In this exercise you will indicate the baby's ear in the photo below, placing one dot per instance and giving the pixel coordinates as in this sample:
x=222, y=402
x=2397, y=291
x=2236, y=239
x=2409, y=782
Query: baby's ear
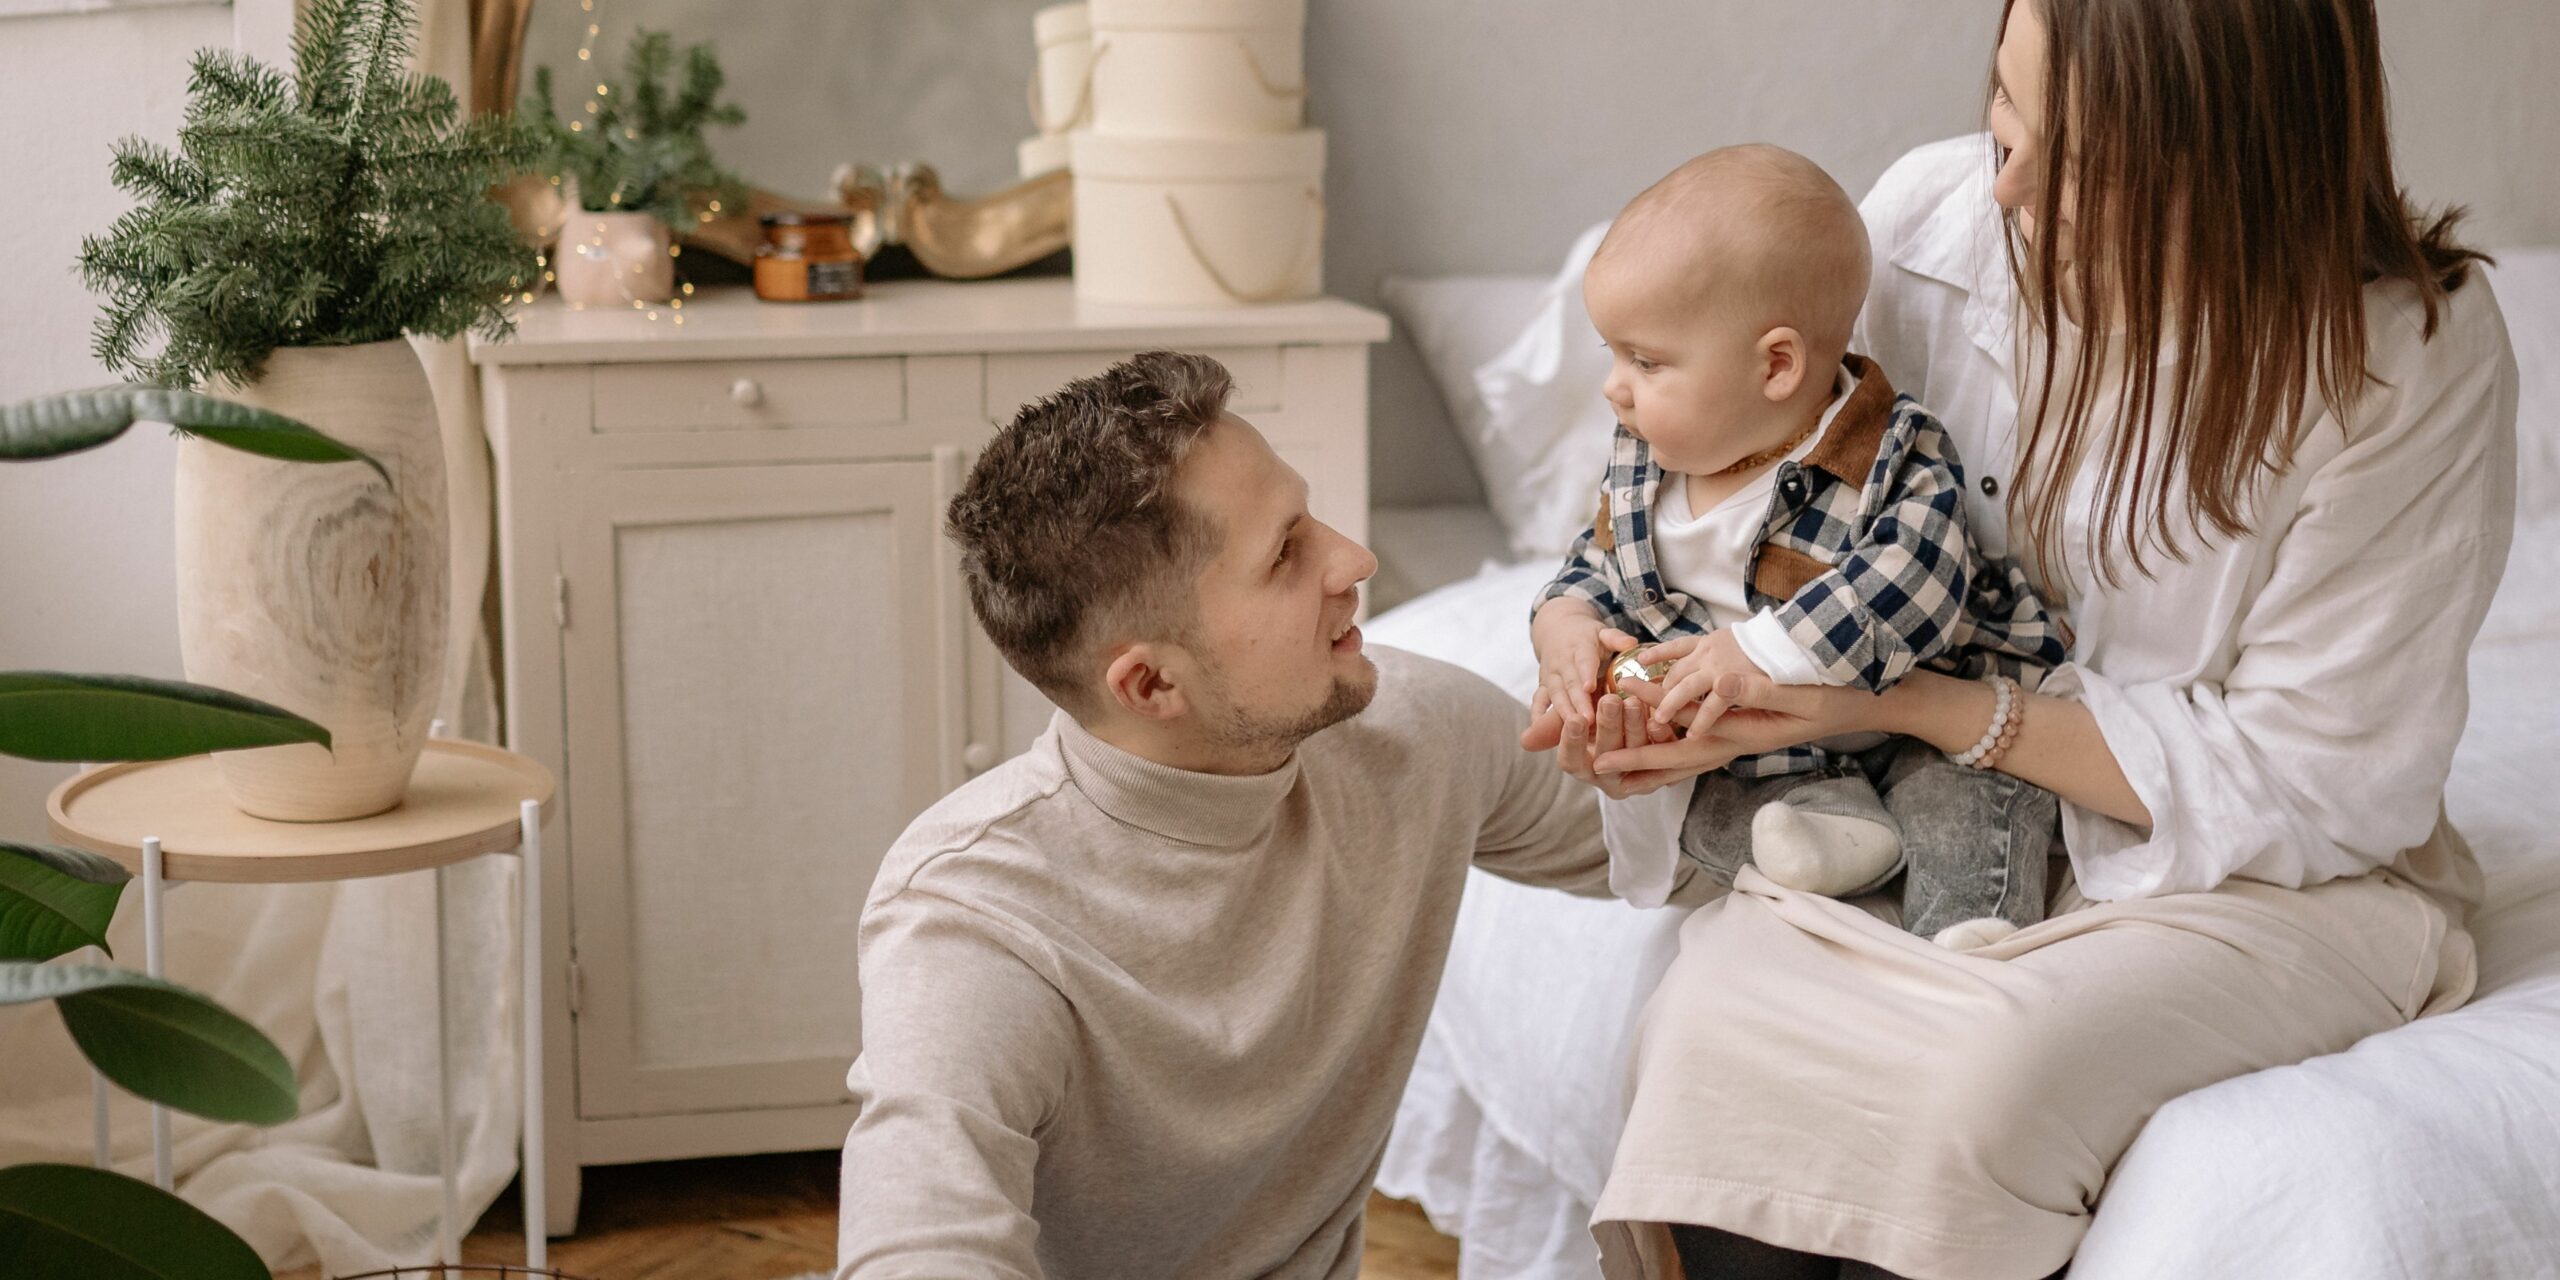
x=1782, y=363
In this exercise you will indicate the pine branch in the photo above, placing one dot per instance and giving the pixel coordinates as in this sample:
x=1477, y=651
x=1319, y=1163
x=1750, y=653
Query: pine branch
x=221, y=79
x=154, y=172
x=321, y=42
x=347, y=206
x=645, y=66
x=640, y=150
x=387, y=47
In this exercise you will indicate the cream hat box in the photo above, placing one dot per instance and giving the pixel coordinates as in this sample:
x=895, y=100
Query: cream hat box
x=1062, y=79
x=1198, y=68
x=1044, y=154
x=1198, y=222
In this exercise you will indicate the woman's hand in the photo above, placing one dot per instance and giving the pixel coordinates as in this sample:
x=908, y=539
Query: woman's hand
x=1755, y=714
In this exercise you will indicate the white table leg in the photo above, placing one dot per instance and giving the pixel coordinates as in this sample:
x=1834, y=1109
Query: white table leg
x=101, y=1133
x=537, y=1242
x=448, y=1241
x=162, y=1175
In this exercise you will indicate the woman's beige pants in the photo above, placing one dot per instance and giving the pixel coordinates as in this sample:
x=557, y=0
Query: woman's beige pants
x=1810, y=1076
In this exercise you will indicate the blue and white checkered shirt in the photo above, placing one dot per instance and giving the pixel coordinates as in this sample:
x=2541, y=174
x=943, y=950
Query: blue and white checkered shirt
x=1864, y=559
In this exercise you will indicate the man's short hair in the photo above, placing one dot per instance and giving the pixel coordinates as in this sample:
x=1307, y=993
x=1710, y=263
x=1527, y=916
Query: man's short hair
x=1069, y=530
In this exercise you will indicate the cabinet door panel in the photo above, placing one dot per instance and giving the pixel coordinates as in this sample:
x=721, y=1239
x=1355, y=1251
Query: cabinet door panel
x=752, y=723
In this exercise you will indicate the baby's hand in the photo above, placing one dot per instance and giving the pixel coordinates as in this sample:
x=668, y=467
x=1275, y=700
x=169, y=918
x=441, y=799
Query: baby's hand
x=1572, y=647
x=1696, y=663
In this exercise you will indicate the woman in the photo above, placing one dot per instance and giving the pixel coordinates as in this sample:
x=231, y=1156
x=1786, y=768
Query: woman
x=2251, y=418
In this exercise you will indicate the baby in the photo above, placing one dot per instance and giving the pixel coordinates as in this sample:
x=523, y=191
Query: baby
x=1772, y=506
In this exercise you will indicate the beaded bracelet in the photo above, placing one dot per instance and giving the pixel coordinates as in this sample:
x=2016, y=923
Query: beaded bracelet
x=2008, y=732
x=2003, y=729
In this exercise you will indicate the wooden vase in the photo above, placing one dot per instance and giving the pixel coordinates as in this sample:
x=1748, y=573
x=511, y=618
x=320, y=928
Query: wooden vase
x=315, y=587
x=614, y=260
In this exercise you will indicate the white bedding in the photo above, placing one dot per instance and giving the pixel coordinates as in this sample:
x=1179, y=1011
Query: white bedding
x=2431, y=1150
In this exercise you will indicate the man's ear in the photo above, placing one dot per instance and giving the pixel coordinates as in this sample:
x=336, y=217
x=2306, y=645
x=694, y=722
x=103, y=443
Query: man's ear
x=1782, y=363
x=1137, y=681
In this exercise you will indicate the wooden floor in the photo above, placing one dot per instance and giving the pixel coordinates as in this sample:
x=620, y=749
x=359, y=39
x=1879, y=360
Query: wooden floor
x=766, y=1217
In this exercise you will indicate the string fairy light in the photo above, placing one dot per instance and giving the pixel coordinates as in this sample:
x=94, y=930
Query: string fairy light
x=595, y=107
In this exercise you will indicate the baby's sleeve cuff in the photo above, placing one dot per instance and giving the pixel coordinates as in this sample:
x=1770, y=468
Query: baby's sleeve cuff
x=1765, y=641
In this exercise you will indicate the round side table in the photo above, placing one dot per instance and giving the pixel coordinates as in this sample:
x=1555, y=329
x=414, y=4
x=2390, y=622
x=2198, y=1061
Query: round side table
x=168, y=820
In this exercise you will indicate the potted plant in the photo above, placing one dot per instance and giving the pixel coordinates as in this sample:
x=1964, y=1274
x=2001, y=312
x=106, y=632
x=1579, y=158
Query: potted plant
x=155, y=1038
x=301, y=228
x=641, y=170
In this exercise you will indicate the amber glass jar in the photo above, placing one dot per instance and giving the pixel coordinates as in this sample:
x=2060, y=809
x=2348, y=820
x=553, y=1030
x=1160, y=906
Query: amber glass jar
x=808, y=257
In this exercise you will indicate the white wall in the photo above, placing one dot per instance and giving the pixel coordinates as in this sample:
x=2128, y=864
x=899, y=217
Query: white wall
x=85, y=542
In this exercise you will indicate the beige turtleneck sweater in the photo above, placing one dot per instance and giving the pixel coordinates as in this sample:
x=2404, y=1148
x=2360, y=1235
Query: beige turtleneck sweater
x=1124, y=1021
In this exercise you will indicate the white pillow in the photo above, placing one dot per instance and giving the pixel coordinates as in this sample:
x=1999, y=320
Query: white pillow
x=1544, y=443
x=1519, y=367
x=1457, y=323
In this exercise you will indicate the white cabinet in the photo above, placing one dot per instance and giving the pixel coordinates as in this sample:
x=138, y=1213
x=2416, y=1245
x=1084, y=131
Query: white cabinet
x=733, y=630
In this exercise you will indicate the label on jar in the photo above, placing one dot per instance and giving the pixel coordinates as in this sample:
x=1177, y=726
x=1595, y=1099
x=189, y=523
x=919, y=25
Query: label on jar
x=835, y=279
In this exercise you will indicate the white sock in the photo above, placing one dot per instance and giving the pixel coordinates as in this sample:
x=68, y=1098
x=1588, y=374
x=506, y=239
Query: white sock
x=1820, y=852
x=1965, y=935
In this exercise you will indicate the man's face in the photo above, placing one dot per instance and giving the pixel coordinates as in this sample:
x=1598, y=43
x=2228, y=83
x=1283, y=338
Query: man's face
x=1275, y=656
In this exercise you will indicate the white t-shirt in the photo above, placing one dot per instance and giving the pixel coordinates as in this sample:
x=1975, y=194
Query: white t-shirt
x=1706, y=555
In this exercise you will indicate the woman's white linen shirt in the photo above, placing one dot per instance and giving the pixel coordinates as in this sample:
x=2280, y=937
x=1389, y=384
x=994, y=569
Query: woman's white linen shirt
x=2284, y=702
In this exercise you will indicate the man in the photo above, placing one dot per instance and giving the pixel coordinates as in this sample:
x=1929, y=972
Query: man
x=1141, y=1001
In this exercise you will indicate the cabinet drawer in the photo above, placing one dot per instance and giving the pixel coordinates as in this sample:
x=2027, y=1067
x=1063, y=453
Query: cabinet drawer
x=1016, y=380
x=714, y=412
x=745, y=395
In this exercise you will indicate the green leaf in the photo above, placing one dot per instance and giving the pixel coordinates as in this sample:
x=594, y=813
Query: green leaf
x=162, y=1041
x=55, y=900
x=77, y=420
x=71, y=1222
x=53, y=715
x=62, y=424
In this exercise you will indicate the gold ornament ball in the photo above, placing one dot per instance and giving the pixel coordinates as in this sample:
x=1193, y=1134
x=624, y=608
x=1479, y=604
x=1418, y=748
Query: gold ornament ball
x=1624, y=667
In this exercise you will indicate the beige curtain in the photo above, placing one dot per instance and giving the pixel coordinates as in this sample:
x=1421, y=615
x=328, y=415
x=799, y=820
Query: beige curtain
x=340, y=976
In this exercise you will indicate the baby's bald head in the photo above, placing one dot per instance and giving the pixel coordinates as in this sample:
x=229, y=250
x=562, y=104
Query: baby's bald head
x=1756, y=233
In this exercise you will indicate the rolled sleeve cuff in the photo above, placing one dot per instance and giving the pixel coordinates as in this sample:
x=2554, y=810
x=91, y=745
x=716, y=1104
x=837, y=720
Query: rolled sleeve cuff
x=1765, y=641
x=2114, y=860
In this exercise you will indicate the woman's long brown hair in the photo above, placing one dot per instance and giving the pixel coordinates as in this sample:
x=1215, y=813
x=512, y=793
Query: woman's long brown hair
x=2228, y=164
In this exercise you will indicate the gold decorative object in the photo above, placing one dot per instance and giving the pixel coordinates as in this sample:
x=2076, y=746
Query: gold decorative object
x=497, y=53
x=1625, y=667
x=965, y=239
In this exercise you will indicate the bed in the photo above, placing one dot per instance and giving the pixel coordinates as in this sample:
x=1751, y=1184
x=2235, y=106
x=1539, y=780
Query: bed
x=2430, y=1150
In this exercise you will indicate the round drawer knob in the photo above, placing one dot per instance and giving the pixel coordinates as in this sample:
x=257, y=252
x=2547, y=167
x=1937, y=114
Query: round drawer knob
x=746, y=392
x=979, y=757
